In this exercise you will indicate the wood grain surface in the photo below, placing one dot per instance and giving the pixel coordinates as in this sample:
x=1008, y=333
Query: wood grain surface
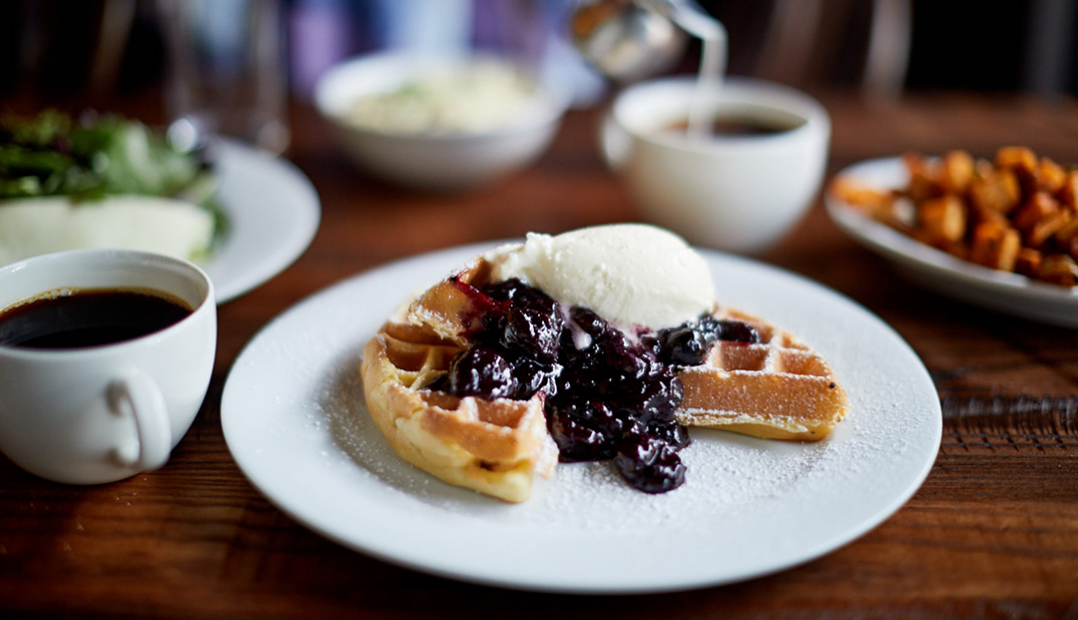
x=993, y=533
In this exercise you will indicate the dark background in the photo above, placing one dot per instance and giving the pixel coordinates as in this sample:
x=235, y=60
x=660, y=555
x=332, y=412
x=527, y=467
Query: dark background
x=46, y=46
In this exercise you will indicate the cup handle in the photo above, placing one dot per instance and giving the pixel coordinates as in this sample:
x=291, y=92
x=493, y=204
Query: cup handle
x=614, y=142
x=137, y=395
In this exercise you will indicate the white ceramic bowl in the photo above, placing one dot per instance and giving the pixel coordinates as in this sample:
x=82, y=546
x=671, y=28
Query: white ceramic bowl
x=449, y=161
x=942, y=272
x=740, y=193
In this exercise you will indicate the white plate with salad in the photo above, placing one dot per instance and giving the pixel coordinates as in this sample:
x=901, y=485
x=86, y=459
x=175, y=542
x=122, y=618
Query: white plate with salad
x=272, y=213
x=105, y=181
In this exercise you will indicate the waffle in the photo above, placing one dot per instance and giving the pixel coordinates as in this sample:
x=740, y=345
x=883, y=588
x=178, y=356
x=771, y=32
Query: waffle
x=494, y=447
x=778, y=389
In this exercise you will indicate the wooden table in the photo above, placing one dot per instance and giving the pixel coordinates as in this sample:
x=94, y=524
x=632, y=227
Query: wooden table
x=992, y=533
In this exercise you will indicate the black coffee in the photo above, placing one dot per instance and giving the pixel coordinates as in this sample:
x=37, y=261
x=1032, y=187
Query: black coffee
x=89, y=319
x=739, y=126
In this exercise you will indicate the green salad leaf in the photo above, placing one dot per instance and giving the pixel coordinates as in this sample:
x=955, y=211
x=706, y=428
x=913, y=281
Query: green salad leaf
x=52, y=154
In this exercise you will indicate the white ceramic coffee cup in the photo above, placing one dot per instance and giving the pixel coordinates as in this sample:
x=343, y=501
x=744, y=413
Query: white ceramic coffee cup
x=98, y=414
x=735, y=193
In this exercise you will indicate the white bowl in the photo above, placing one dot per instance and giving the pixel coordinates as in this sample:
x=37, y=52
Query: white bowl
x=439, y=161
x=944, y=273
x=740, y=193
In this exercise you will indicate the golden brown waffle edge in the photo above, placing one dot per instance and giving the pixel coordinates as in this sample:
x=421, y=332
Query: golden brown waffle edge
x=494, y=447
x=778, y=389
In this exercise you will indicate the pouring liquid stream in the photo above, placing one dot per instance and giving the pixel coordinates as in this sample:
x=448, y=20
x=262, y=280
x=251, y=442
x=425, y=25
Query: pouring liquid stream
x=712, y=71
x=695, y=21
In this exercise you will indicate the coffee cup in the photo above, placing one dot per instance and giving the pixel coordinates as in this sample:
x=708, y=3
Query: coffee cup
x=740, y=193
x=96, y=414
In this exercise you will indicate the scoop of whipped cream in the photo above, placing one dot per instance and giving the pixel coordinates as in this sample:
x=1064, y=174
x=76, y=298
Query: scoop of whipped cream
x=629, y=274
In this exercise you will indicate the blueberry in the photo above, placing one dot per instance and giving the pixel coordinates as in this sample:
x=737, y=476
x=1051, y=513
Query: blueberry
x=504, y=290
x=534, y=327
x=656, y=398
x=480, y=372
x=669, y=432
x=688, y=343
x=683, y=346
x=665, y=395
x=602, y=418
x=651, y=344
x=650, y=465
x=532, y=376
x=709, y=326
x=736, y=331
x=627, y=358
x=588, y=321
x=576, y=441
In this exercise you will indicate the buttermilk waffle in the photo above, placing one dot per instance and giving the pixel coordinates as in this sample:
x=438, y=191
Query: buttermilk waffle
x=777, y=389
x=491, y=446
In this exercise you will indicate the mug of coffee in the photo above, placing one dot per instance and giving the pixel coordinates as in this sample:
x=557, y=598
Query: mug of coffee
x=105, y=358
x=740, y=184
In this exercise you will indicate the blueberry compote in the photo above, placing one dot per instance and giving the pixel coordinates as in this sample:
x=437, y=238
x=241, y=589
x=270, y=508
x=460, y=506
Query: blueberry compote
x=608, y=395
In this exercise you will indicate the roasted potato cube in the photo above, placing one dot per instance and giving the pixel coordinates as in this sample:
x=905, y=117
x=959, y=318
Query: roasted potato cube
x=878, y=204
x=1068, y=233
x=995, y=246
x=1047, y=227
x=957, y=172
x=1019, y=159
x=1028, y=262
x=1068, y=194
x=1039, y=206
x=999, y=191
x=978, y=214
x=942, y=219
x=1050, y=176
x=924, y=177
x=1059, y=269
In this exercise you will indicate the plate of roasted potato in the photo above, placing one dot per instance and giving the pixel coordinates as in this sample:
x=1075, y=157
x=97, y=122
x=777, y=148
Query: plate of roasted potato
x=999, y=233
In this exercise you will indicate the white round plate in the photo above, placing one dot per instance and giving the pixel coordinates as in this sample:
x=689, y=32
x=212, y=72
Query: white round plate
x=937, y=270
x=294, y=419
x=273, y=214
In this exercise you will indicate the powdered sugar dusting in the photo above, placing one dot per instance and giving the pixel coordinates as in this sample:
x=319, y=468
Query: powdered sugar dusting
x=726, y=473
x=294, y=417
